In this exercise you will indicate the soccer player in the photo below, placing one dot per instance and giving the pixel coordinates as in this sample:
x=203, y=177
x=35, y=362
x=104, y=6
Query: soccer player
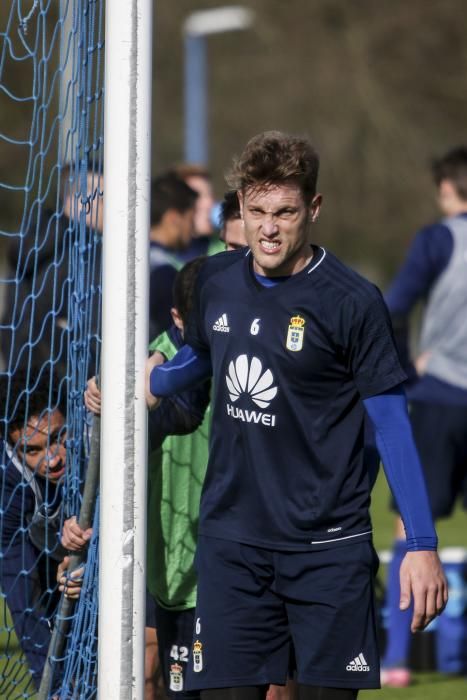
x=33, y=460
x=299, y=347
x=434, y=270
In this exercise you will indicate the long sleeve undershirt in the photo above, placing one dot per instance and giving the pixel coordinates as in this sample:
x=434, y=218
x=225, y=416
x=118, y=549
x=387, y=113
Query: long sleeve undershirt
x=396, y=446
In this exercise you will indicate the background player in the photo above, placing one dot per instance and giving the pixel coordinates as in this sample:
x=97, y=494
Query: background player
x=172, y=226
x=434, y=271
x=178, y=453
x=205, y=240
x=176, y=469
x=297, y=353
x=232, y=228
x=36, y=313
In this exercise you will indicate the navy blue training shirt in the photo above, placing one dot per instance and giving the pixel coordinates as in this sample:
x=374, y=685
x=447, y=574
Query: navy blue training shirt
x=291, y=364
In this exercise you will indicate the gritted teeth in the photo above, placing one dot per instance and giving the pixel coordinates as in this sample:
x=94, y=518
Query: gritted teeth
x=270, y=245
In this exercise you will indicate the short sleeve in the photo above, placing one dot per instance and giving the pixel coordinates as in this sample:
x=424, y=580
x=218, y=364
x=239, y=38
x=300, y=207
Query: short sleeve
x=195, y=332
x=373, y=359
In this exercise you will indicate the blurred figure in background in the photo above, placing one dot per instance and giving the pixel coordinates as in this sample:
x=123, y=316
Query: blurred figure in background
x=435, y=271
x=232, y=228
x=205, y=240
x=36, y=314
x=172, y=226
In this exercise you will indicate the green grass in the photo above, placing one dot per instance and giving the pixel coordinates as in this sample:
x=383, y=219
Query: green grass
x=451, y=532
x=426, y=686
x=15, y=681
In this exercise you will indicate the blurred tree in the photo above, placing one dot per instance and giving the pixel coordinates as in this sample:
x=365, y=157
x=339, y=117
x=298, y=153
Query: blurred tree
x=379, y=86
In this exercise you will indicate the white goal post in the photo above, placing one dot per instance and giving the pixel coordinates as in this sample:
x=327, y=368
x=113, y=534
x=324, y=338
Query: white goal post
x=127, y=163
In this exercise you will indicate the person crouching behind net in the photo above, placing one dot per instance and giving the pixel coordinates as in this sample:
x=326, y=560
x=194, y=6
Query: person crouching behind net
x=33, y=463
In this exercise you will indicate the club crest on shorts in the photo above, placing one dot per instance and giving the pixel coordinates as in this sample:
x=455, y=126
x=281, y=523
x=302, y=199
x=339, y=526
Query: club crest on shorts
x=197, y=656
x=176, y=678
x=295, y=334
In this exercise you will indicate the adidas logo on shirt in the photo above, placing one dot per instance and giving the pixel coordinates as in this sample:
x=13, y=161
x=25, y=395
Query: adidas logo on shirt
x=358, y=664
x=222, y=324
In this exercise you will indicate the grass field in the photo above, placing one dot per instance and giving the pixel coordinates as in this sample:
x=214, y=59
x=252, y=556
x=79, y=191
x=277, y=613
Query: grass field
x=15, y=681
x=451, y=532
x=426, y=686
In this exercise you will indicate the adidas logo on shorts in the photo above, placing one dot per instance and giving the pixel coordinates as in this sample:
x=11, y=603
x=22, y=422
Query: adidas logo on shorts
x=222, y=324
x=358, y=664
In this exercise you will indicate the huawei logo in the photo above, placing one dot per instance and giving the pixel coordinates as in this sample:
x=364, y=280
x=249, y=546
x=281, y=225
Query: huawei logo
x=247, y=377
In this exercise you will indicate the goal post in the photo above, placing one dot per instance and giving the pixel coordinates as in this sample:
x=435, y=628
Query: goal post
x=127, y=164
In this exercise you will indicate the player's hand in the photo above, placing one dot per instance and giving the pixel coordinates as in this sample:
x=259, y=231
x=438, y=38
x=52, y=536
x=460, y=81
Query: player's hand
x=73, y=537
x=69, y=582
x=421, y=362
x=92, y=397
x=422, y=577
x=153, y=361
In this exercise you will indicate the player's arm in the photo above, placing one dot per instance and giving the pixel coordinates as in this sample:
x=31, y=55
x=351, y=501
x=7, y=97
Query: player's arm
x=427, y=257
x=179, y=414
x=421, y=572
x=185, y=370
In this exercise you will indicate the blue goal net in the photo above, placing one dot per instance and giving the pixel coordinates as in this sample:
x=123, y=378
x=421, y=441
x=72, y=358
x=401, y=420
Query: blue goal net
x=51, y=190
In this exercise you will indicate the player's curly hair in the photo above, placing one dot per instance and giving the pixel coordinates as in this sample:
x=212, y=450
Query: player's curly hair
x=27, y=394
x=274, y=158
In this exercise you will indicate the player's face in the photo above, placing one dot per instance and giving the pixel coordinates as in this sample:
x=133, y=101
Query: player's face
x=42, y=445
x=277, y=227
x=448, y=199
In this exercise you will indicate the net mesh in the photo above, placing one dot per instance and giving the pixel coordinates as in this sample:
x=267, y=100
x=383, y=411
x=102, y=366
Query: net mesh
x=51, y=189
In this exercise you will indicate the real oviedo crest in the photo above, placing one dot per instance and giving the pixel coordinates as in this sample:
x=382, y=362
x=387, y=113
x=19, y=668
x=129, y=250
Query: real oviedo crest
x=176, y=678
x=295, y=334
x=197, y=656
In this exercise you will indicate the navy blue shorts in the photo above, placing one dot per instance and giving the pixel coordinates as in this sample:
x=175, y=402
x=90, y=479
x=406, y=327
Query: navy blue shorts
x=174, y=638
x=253, y=603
